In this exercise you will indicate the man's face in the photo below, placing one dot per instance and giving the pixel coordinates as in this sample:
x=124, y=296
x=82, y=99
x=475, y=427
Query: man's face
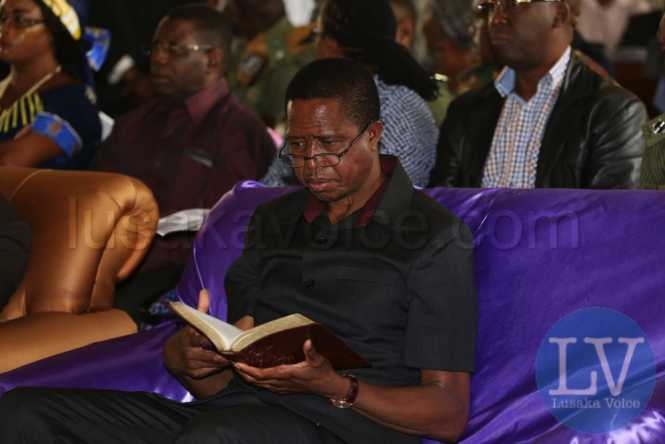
x=519, y=32
x=321, y=125
x=175, y=68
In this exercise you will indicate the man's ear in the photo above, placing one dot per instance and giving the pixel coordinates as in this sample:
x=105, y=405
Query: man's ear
x=375, y=131
x=564, y=15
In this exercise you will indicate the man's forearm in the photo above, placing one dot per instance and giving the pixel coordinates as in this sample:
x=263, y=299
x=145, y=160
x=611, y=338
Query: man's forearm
x=430, y=410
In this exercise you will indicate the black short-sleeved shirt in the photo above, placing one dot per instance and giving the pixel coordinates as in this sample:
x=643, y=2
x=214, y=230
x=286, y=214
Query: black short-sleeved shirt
x=398, y=288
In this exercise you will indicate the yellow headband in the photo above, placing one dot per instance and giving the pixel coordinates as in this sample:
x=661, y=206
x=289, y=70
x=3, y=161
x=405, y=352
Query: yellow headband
x=67, y=15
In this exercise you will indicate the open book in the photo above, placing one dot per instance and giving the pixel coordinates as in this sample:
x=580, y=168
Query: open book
x=274, y=343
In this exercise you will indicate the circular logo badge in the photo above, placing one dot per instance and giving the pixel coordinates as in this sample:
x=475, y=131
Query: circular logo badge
x=596, y=370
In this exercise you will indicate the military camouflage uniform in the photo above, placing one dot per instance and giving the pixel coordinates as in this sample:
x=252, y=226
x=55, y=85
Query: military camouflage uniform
x=653, y=162
x=266, y=65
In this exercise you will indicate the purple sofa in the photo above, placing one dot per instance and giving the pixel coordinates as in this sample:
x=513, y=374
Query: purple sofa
x=540, y=255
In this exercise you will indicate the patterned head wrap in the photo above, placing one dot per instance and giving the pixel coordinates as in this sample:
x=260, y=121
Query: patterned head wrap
x=73, y=14
x=70, y=13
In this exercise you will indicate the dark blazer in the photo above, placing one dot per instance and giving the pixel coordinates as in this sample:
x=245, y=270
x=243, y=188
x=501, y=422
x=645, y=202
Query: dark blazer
x=593, y=137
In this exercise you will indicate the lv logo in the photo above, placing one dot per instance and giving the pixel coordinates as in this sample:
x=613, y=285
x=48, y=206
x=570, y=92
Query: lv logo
x=598, y=344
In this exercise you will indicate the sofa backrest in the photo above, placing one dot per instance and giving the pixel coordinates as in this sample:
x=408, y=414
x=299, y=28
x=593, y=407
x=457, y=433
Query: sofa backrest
x=540, y=255
x=89, y=230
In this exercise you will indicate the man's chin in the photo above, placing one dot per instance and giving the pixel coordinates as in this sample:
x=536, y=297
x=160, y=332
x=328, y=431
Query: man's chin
x=163, y=90
x=323, y=196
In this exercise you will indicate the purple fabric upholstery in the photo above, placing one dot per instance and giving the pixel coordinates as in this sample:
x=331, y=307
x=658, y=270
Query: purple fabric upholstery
x=606, y=249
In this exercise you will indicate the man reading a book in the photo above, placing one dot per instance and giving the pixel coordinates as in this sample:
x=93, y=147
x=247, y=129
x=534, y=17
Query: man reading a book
x=358, y=250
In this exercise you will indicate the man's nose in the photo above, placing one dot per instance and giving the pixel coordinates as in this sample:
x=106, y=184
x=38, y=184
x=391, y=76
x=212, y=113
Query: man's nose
x=159, y=55
x=499, y=14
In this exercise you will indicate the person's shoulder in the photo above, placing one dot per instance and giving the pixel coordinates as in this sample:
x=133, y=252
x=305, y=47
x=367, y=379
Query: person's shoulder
x=434, y=210
x=602, y=89
x=654, y=131
x=477, y=97
x=397, y=94
x=68, y=90
x=285, y=206
x=241, y=111
x=403, y=106
x=136, y=115
x=443, y=224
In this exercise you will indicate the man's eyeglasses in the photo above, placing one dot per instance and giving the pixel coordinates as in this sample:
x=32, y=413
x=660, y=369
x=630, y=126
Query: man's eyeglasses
x=489, y=6
x=294, y=151
x=19, y=21
x=177, y=50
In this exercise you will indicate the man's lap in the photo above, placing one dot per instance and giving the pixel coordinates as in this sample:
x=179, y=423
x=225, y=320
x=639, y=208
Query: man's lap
x=40, y=415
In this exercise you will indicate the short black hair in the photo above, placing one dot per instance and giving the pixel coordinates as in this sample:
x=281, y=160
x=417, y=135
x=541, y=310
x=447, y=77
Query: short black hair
x=210, y=23
x=339, y=78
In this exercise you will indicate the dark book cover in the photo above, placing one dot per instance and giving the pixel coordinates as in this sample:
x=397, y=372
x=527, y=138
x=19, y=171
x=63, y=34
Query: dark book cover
x=286, y=348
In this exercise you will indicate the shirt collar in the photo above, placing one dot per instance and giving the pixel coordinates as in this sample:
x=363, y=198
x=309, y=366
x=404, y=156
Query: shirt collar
x=199, y=105
x=375, y=206
x=505, y=83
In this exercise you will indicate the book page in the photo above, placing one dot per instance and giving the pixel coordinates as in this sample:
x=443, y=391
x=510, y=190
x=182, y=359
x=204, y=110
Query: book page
x=250, y=336
x=221, y=334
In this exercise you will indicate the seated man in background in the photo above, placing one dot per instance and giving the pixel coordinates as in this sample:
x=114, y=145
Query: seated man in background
x=190, y=145
x=548, y=120
x=14, y=250
x=123, y=82
x=357, y=225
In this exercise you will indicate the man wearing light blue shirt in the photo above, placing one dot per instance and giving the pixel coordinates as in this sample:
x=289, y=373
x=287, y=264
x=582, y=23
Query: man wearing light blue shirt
x=548, y=121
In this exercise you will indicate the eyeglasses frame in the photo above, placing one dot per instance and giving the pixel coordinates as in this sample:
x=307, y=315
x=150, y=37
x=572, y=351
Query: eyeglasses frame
x=283, y=152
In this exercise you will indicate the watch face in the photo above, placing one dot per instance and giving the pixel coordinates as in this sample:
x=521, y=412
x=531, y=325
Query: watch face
x=341, y=404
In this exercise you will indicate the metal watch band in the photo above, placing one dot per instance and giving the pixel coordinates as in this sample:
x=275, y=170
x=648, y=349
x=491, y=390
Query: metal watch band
x=351, y=396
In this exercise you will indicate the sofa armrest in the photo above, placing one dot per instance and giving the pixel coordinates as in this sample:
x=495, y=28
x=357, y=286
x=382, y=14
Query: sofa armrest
x=90, y=230
x=41, y=335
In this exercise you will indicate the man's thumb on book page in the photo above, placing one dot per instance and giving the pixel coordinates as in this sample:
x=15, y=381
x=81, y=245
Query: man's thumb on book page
x=312, y=357
x=204, y=301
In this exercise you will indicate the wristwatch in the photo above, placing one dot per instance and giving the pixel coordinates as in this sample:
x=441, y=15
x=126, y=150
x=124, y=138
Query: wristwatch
x=350, y=399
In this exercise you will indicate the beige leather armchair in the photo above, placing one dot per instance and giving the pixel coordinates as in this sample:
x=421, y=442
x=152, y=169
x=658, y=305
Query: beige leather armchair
x=89, y=230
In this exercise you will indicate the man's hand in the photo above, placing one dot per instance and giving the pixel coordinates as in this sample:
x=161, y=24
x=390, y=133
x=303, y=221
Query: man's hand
x=188, y=353
x=314, y=375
